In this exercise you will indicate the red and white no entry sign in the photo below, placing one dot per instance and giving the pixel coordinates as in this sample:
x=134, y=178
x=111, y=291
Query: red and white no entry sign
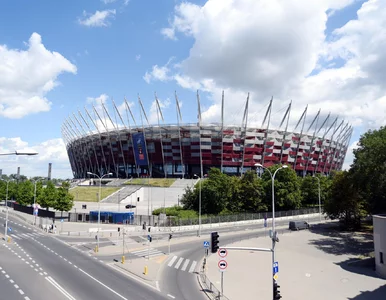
x=222, y=252
x=222, y=265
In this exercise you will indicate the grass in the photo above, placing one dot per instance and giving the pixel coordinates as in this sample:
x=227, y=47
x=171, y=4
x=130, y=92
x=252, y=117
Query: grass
x=159, y=182
x=89, y=194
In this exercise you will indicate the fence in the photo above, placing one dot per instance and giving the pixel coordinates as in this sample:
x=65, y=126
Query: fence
x=171, y=221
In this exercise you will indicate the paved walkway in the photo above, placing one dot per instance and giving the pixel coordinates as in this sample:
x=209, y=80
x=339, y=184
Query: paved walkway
x=311, y=265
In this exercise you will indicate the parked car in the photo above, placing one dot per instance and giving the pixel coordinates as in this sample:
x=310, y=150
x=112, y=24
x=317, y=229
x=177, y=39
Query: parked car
x=130, y=206
x=298, y=225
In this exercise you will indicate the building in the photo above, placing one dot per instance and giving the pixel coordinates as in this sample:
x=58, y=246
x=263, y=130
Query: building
x=187, y=149
x=379, y=222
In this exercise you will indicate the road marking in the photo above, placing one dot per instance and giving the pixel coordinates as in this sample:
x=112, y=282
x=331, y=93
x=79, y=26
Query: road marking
x=102, y=284
x=171, y=262
x=21, y=292
x=184, y=266
x=59, y=288
x=6, y=275
x=193, y=266
x=11, y=281
x=26, y=298
x=16, y=286
x=171, y=296
x=135, y=278
x=179, y=263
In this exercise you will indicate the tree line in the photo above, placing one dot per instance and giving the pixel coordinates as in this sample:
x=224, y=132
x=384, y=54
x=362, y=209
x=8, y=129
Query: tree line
x=48, y=195
x=345, y=195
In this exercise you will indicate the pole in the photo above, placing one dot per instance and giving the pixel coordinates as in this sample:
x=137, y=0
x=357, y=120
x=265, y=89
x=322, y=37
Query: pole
x=169, y=246
x=320, y=207
x=99, y=211
x=6, y=213
x=148, y=249
x=34, y=203
x=199, y=211
x=119, y=202
x=222, y=283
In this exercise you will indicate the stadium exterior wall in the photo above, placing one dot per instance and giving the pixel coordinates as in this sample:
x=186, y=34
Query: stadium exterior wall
x=235, y=149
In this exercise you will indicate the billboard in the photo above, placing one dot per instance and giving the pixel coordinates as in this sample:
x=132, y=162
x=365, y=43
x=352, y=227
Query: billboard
x=139, y=146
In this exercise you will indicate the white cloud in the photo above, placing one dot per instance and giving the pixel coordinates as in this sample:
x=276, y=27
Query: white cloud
x=157, y=73
x=242, y=46
x=51, y=151
x=97, y=102
x=138, y=57
x=108, y=1
x=98, y=19
x=26, y=77
x=154, y=115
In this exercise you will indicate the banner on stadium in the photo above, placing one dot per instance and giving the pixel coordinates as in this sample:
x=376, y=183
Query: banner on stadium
x=139, y=146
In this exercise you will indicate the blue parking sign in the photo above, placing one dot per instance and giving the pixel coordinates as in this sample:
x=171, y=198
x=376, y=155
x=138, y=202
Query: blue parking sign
x=275, y=267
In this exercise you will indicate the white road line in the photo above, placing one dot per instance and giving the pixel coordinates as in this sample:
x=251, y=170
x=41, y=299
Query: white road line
x=11, y=281
x=21, y=292
x=184, y=266
x=59, y=288
x=6, y=275
x=179, y=263
x=193, y=266
x=102, y=284
x=15, y=236
x=16, y=286
x=171, y=296
x=171, y=262
x=26, y=298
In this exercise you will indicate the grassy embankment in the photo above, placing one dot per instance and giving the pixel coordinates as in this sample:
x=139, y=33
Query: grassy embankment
x=90, y=193
x=156, y=182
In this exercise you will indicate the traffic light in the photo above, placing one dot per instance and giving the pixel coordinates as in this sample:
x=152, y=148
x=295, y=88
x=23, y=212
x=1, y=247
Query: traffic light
x=214, y=241
x=170, y=236
x=276, y=292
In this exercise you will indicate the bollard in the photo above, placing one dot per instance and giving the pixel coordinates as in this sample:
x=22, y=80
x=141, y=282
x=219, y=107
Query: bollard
x=96, y=249
x=145, y=271
x=123, y=259
x=9, y=239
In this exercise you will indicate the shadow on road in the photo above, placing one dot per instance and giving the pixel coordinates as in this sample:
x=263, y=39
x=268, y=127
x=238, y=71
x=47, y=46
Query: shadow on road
x=377, y=294
x=364, y=266
x=337, y=242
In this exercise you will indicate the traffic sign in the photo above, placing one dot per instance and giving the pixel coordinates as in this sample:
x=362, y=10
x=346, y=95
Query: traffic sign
x=222, y=252
x=265, y=223
x=275, y=267
x=222, y=265
x=206, y=244
x=61, y=220
x=9, y=229
x=275, y=276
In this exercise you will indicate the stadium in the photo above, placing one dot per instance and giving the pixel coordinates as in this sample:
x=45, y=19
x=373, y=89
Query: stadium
x=99, y=145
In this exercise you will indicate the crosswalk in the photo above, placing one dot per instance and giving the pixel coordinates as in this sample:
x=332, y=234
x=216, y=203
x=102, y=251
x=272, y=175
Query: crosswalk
x=151, y=252
x=21, y=236
x=177, y=262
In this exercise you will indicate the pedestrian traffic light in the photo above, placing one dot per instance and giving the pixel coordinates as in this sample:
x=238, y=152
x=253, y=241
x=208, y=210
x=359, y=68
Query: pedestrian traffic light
x=170, y=236
x=276, y=292
x=214, y=241
x=119, y=229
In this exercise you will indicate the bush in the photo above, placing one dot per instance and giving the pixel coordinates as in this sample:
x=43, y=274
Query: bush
x=176, y=211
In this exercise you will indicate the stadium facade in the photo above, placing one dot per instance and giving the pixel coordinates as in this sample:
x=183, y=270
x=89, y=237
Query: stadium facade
x=99, y=145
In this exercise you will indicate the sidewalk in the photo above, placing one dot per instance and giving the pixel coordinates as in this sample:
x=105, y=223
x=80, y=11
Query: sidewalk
x=310, y=263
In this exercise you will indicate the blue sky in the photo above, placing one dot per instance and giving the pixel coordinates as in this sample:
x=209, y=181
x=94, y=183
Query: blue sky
x=122, y=48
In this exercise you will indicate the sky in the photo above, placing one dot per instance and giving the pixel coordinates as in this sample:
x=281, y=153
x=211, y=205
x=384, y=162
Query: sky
x=58, y=57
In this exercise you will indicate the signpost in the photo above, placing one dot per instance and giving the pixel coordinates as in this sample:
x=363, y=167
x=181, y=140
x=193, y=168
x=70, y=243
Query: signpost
x=222, y=265
x=275, y=267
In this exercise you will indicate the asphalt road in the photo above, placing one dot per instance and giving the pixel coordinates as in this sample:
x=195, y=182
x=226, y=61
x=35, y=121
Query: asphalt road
x=76, y=276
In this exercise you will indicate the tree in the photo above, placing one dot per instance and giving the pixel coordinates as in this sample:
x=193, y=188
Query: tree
x=287, y=188
x=250, y=193
x=369, y=169
x=25, y=193
x=47, y=197
x=344, y=201
x=64, y=200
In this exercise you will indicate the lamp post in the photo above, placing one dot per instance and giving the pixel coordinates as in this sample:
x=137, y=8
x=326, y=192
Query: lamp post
x=320, y=206
x=6, y=210
x=99, y=201
x=34, y=207
x=199, y=208
x=273, y=212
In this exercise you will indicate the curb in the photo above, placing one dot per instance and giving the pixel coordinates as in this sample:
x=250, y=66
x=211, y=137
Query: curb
x=133, y=273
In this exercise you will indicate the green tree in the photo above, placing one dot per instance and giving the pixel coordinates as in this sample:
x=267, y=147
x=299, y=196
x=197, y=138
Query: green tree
x=25, y=193
x=344, y=201
x=369, y=169
x=47, y=197
x=64, y=200
x=250, y=193
x=287, y=188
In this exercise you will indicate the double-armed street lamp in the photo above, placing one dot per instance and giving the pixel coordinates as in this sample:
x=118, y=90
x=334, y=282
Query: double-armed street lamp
x=99, y=200
x=320, y=207
x=273, y=211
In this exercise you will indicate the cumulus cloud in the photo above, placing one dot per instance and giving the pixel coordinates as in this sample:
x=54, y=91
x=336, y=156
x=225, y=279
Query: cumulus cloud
x=98, y=19
x=158, y=73
x=51, y=151
x=26, y=77
x=242, y=46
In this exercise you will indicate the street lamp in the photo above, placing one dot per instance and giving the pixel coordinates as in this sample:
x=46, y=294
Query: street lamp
x=320, y=207
x=99, y=200
x=34, y=207
x=6, y=210
x=199, y=207
x=20, y=153
x=273, y=211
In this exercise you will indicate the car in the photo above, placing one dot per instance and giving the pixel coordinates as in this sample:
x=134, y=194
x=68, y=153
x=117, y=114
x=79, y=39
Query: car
x=130, y=206
x=297, y=225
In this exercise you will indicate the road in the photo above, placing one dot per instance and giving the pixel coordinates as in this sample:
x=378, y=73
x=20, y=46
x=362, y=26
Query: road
x=61, y=271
